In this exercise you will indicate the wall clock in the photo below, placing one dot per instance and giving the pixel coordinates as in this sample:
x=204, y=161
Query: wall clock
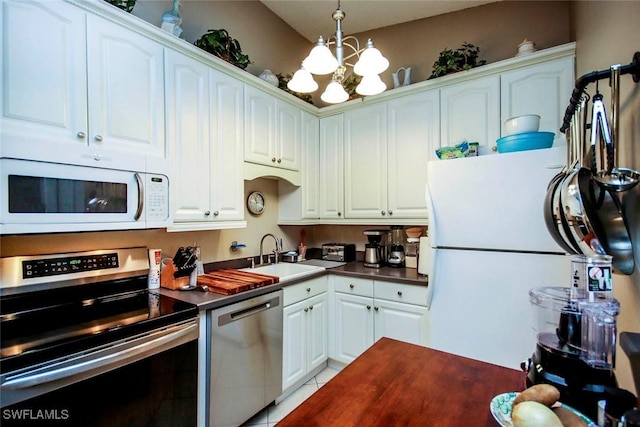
x=255, y=202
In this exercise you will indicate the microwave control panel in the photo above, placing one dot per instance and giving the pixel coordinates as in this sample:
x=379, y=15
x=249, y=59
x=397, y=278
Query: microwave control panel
x=157, y=197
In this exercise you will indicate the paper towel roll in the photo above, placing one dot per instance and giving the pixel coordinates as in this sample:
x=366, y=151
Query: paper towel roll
x=425, y=255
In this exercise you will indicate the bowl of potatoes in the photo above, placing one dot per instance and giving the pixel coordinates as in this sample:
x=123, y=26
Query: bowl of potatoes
x=536, y=406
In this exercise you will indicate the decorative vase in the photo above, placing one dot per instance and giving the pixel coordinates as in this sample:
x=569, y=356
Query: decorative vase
x=268, y=76
x=171, y=20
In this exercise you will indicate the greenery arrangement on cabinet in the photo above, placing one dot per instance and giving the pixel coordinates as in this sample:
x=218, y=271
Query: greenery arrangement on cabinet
x=126, y=5
x=350, y=83
x=222, y=45
x=451, y=61
x=283, y=79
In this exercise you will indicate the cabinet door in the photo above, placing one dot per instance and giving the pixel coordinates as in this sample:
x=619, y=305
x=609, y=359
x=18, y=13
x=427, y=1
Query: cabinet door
x=331, y=167
x=541, y=89
x=188, y=130
x=365, y=162
x=294, y=338
x=310, y=166
x=353, y=328
x=288, y=136
x=227, y=146
x=317, y=331
x=126, y=91
x=403, y=322
x=470, y=111
x=43, y=85
x=413, y=135
x=260, y=127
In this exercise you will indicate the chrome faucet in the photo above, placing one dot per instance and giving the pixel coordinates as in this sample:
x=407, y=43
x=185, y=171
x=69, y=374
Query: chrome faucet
x=276, y=251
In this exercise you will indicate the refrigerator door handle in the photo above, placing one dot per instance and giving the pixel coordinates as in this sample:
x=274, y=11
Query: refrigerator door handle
x=431, y=229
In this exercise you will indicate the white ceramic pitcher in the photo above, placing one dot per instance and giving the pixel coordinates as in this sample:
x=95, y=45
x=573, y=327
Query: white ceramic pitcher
x=407, y=77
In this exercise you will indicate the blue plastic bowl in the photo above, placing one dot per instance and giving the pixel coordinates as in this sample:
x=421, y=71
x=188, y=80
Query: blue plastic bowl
x=525, y=141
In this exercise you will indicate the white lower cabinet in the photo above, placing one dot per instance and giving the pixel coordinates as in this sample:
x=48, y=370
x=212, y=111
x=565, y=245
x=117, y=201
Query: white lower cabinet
x=305, y=331
x=366, y=310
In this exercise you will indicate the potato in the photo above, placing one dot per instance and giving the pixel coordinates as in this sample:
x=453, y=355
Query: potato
x=568, y=418
x=534, y=414
x=541, y=393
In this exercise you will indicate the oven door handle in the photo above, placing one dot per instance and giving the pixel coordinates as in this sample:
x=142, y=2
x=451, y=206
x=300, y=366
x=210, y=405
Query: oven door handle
x=96, y=365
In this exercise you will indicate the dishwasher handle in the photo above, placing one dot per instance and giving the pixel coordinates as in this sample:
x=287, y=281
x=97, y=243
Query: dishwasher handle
x=244, y=312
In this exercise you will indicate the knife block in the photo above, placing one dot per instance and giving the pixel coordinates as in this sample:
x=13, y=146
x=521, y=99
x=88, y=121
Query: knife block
x=168, y=281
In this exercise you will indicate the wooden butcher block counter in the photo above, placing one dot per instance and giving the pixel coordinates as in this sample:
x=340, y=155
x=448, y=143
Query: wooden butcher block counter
x=399, y=384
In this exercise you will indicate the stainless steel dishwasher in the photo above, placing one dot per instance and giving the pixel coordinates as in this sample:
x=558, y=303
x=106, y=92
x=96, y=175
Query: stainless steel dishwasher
x=245, y=358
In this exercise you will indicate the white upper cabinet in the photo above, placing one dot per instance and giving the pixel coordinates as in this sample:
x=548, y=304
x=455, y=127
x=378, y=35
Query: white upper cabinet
x=413, y=134
x=272, y=130
x=92, y=93
x=470, y=111
x=188, y=132
x=299, y=204
x=365, y=160
x=542, y=89
x=204, y=126
x=331, y=189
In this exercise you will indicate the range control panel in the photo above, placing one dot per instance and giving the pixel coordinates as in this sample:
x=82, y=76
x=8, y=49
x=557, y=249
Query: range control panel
x=70, y=264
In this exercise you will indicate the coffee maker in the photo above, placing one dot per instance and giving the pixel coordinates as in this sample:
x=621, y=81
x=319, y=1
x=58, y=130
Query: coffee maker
x=396, y=257
x=375, y=251
x=576, y=343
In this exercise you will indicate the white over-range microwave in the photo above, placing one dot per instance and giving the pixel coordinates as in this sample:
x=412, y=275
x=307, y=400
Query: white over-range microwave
x=42, y=197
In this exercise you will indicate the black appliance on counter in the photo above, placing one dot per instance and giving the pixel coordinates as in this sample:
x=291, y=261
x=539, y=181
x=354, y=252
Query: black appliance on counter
x=84, y=340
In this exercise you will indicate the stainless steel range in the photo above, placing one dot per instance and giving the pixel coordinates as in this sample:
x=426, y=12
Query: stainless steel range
x=75, y=325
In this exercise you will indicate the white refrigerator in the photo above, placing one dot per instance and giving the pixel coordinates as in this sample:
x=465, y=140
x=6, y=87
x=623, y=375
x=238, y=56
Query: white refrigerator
x=489, y=246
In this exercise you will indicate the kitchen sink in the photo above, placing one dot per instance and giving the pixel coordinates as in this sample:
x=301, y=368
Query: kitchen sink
x=286, y=271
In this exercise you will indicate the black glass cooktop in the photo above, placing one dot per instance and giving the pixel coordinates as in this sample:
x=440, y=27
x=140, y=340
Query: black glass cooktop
x=45, y=325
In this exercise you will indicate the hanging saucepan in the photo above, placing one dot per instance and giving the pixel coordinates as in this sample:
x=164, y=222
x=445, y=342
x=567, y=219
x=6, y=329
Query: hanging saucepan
x=571, y=203
x=552, y=217
x=602, y=204
x=614, y=178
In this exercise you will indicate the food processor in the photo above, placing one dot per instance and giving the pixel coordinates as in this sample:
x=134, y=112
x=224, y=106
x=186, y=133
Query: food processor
x=576, y=337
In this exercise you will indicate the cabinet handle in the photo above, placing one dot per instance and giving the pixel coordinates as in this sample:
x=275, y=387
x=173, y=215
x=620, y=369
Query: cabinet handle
x=390, y=213
x=207, y=213
x=351, y=286
x=339, y=213
x=98, y=138
x=216, y=213
x=81, y=135
x=279, y=160
x=306, y=309
x=273, y=159
x=383, y=213
x=399, y=293
x=310, y=307
x=97, y=157
x=376, y=308
x=368, y=307
x=308, y=289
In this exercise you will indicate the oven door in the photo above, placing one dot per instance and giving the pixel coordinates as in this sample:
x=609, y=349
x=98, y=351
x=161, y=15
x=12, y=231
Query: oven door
x=51, y=197
x=149, y=380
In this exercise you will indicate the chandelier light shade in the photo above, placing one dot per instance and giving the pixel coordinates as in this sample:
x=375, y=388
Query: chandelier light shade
x=334, y=93
x=371, y=85
x=371, y=61
x=302, y=81
x=321, y=61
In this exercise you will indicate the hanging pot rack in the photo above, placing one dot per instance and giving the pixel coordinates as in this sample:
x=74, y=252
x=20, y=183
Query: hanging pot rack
x=632, y=68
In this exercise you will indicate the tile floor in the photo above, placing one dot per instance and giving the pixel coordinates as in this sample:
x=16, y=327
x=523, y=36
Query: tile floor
x=270, y=415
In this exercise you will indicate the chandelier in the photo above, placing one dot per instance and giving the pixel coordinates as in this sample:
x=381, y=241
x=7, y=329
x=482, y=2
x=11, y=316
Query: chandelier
x=321, y=62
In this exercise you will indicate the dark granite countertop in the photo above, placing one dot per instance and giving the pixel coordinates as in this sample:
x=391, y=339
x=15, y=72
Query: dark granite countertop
x=212, y=300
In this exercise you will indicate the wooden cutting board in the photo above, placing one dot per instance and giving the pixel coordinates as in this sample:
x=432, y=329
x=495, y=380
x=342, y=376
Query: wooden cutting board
x=230, y=281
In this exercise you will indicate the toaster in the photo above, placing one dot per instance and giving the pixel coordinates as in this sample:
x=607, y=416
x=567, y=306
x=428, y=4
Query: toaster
x=344, y=252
